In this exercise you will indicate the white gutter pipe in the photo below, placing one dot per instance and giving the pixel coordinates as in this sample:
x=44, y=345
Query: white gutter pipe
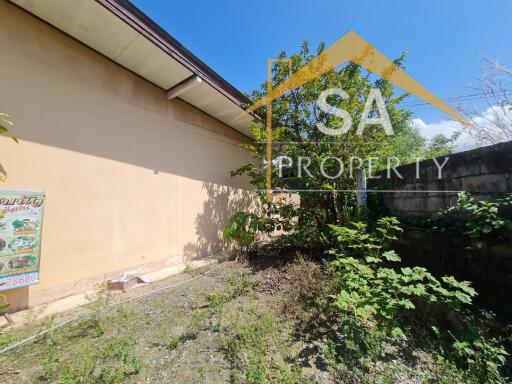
x=184, y=86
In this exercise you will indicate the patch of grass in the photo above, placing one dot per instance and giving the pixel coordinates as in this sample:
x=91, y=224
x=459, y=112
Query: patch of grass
x=216, y=298
x=6, y=338
x=201, y=372
x=52, y=359
x=197, y=320
x=197, y=270
x=173, y=343
x=239, y=285
x=236, y=286
x=257, y=349
x=109, y=362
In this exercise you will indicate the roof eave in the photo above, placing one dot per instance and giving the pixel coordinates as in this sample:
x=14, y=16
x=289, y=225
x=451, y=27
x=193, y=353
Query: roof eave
x=139, y=21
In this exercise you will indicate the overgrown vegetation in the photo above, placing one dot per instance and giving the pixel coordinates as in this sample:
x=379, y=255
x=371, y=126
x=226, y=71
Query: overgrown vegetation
x=375, y=303
x=365, y=308
x=482, y=221
x=250, y=345
x=277, y=320
x=111, y=362
x=243, y=227
x=369, y=290
x=295, y=117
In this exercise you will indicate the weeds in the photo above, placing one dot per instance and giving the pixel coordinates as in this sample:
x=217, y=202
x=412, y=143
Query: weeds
x=370, y=301
x=197, y=320
x=235, y=287
x=252, y=345
x=52, y=359
x=6, y=338
x=197, y=270
x=173, y=343
x=201, y=372
x=483, y=219
x=110, y=362
x=270, y=336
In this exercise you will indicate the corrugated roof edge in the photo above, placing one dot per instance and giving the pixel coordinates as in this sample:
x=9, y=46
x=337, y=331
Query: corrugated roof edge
x=138, y=20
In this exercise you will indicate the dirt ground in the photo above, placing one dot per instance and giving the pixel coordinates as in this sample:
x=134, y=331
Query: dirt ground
x=179, y=333
x=242, y=322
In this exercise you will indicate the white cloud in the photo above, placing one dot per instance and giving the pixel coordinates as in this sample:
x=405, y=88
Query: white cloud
x=497, y=122
x=447, y=128
x=488, y=120
x=429, y=130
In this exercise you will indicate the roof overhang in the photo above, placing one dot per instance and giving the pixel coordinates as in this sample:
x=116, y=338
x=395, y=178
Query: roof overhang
x=124, y=34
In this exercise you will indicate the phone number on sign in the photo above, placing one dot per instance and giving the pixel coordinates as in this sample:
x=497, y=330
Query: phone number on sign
x=18, y=281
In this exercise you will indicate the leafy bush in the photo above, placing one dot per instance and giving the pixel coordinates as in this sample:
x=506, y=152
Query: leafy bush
x=241, y=228
x=482, y=357
x=369, y=290
x=483, y=219
x=371, y=297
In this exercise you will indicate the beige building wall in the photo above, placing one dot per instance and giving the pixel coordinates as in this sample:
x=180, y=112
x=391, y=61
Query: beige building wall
x=132, y=180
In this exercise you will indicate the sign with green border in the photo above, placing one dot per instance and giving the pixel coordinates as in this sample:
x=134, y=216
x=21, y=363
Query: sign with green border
x=21, y=220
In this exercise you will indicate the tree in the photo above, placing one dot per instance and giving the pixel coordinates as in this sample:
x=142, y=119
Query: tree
x=295, y=117
x=440, y=145
x=494, y=125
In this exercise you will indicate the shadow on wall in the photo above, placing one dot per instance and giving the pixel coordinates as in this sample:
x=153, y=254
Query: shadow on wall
x=221, y=204
x=64, y=95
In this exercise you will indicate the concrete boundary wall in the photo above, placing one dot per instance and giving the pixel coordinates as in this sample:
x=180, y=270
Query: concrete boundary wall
x=486, y=172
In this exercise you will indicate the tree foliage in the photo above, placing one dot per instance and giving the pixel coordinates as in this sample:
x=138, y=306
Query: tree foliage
x=295, y=116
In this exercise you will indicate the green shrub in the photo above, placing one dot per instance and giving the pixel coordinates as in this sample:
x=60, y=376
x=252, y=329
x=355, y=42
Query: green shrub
x=369, y=288
x=483, y=221
x=371, y=296
x=482, y=357
x=242, y=228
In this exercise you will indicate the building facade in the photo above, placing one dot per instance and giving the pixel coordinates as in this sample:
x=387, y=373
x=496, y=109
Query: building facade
x=133, y=179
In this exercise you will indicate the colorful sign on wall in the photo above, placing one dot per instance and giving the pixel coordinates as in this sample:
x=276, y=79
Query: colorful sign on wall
x=21, y=219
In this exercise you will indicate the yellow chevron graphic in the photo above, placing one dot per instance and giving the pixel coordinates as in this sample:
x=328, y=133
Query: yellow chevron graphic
x=352, y=47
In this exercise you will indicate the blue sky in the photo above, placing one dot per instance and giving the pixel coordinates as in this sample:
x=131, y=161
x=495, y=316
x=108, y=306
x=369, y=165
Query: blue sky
x=446, y=39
